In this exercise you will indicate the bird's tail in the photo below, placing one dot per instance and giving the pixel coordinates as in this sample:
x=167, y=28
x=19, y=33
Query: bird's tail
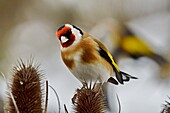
x=126, y=77
x=121, y=77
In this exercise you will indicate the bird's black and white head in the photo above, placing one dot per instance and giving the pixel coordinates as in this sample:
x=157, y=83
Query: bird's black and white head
x=69, y=35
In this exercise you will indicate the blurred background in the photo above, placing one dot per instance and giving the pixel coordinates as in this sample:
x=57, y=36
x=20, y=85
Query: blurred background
x=136, y=32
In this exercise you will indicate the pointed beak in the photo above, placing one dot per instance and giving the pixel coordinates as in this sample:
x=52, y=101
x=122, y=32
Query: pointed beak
x=63, y=39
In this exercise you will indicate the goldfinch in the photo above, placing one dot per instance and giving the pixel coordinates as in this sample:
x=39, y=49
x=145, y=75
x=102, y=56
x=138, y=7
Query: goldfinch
x=87, y=58
x=135, y=47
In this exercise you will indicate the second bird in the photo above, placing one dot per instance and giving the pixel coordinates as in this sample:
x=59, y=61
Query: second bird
x=87, y=58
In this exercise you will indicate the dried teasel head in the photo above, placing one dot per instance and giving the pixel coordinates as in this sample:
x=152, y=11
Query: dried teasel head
x=89, y=100
x=166, y=108
x=26, y=89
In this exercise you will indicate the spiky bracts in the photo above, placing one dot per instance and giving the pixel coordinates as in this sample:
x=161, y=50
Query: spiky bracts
x=166, y=108
x=26, y=89
x=89, y=100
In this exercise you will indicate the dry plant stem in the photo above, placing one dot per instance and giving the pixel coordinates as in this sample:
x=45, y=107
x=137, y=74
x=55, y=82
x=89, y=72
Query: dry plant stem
x=11, y=95
x=46, y=100
x=26, y=89
x=65, y=108
x=118, y=103
x=89, y=100
x=57, y=98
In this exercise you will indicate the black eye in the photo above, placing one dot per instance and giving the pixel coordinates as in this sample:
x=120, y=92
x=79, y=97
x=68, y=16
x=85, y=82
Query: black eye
x=68, y=33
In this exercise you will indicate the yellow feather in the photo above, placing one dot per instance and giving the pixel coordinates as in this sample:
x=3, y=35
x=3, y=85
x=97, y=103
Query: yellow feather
x=110, y=56
x=134, y=45
x=113, y=62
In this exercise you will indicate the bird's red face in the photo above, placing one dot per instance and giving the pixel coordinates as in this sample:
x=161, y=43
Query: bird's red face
x=68, y=34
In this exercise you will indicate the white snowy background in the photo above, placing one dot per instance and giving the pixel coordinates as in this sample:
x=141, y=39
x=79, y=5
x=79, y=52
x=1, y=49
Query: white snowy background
x=30, y=29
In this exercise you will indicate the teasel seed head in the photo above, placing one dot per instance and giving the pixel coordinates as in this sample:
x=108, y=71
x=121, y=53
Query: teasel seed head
x=89, y=100
x=26, y=89
x=166, y=107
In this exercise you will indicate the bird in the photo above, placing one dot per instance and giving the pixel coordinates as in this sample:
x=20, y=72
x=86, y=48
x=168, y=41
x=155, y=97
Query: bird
x=133, y=46
x=136, y=48
x=87, y=58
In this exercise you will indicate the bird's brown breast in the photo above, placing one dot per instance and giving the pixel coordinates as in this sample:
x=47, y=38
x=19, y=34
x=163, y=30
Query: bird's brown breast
x=69, y=63
x=68, y=59
x=86, y=52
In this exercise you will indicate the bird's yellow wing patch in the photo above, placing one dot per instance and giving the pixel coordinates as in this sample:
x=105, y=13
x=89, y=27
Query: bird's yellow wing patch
x=113, y=62
x=106, y=54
